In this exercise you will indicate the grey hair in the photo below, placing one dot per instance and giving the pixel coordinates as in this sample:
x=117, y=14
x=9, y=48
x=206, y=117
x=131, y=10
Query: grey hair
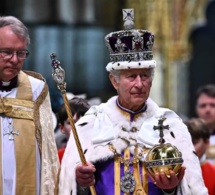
x=116, y=73
x=16, y=26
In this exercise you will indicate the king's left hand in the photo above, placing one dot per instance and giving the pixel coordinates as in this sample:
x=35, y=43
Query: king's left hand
x=168, y=183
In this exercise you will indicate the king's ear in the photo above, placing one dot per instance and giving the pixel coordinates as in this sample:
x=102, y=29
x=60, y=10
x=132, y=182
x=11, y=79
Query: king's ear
x=113, y=81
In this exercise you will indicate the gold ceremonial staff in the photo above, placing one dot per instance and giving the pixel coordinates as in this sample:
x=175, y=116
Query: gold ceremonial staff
x=58, y=75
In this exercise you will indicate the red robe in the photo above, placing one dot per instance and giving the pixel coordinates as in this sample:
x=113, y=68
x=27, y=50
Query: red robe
x=208, y=173
x=60, y=154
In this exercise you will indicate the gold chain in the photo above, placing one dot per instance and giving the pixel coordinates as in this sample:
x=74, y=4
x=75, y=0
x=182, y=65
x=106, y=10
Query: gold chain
x=127, y=162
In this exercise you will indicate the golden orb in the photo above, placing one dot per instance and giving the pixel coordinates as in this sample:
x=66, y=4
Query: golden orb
x=163, y=158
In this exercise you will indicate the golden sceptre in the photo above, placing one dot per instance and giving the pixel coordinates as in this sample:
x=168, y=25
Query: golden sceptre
x=58, y=75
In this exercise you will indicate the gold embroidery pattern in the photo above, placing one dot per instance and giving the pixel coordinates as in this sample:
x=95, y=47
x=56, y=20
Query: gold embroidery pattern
x=17, y=108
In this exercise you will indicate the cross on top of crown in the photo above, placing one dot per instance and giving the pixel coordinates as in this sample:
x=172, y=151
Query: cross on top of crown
x=128, y=17
x=128, y=14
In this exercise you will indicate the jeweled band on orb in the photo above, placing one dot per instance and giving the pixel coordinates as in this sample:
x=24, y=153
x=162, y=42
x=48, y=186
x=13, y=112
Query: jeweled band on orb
x=164, y=162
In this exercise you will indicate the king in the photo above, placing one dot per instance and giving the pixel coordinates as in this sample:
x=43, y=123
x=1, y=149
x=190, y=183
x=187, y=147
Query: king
x=118, y=135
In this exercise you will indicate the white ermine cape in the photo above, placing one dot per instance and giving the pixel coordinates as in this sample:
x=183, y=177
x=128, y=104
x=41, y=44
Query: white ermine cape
x=104, y=123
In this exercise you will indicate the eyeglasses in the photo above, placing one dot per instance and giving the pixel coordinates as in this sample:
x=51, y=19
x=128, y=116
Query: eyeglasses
x=8, y=54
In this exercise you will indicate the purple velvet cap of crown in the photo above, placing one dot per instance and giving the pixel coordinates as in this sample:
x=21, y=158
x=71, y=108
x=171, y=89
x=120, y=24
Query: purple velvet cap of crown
x=130, y=41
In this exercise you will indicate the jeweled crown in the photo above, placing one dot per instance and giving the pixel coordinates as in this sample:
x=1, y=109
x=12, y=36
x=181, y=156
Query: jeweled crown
x=130, y=48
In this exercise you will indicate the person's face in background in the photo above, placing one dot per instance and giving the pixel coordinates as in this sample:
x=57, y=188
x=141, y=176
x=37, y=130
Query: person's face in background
x=66, y=127
x=10, y=42
x=205, y=109
x=200, y=146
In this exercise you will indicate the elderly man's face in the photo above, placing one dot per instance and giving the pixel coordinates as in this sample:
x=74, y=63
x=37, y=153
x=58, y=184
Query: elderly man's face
x=10, y=42
x=133, y=87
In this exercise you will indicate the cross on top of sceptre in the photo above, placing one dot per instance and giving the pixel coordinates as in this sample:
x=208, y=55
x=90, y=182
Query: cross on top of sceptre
x=161, y=129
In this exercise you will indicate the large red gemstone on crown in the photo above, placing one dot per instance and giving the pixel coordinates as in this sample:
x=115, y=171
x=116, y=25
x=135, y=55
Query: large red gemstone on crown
x=138, y=45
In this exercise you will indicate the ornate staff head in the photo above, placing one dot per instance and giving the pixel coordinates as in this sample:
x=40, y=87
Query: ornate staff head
x=58, y=73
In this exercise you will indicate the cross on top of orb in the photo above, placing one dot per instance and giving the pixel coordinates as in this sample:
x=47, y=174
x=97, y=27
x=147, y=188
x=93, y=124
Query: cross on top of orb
x=161, y=129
